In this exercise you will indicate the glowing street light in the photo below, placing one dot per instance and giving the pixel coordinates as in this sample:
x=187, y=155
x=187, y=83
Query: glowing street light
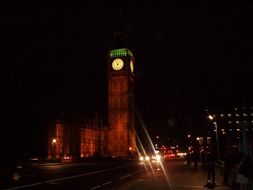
x=210, y=117
x=54, y=141
x=53, y=146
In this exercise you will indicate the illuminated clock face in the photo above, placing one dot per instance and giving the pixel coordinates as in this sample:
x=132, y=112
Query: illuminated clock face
x=132, y=65
x=117, y=64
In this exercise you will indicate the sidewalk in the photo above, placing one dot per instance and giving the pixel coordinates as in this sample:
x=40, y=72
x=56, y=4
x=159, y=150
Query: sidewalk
x=182, y=178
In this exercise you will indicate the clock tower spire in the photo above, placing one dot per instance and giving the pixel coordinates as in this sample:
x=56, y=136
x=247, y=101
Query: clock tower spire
x=121, y=111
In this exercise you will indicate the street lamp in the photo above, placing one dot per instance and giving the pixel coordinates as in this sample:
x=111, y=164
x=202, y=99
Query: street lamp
x=53, y=146
x=210, y=117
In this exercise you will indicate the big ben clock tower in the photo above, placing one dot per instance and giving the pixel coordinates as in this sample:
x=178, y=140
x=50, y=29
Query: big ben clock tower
x=121, y=117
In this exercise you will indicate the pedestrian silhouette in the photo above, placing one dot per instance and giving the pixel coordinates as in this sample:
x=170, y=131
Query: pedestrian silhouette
x=210, y=163
x=245, y=172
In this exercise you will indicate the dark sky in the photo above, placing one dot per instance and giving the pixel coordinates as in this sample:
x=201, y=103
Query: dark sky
x=188, y=54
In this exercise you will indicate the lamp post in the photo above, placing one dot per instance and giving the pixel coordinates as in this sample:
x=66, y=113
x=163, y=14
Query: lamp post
x=210, y=117
x=53, y=146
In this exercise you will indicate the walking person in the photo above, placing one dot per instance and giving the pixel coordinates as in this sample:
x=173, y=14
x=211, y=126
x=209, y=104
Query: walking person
x=227, y=167
x=210, y=162
x=196, y=154
x=244, y=173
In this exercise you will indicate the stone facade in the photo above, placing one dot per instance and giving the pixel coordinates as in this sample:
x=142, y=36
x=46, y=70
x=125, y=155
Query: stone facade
x=74, y=140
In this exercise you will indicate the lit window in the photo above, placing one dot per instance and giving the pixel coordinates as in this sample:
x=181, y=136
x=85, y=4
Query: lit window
x=251, y=114
x=237, y=115
x=237, y=122
x=230, y=129
x=238, y=129
x=236, y=109
x=229, y=115
x=230, y=122
x=245, y=115
x=222, y=115
x=244, y=121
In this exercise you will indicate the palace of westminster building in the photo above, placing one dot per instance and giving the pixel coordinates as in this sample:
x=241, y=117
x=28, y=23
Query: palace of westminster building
x=74, y=140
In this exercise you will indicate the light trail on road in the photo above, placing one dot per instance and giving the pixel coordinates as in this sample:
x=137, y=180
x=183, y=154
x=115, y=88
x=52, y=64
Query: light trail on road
x=153, y=148
x=67, y=178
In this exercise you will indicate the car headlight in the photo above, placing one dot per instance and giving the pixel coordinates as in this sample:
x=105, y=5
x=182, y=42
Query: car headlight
x=158, y=157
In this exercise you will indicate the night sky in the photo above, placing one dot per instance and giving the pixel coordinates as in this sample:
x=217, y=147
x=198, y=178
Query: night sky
x=189, y=55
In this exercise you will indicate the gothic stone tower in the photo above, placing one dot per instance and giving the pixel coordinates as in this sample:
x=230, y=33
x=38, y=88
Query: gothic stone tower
x=121, y=119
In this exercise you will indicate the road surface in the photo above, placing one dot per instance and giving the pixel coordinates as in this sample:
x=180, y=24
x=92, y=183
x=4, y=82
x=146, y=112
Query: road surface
x=121, y=175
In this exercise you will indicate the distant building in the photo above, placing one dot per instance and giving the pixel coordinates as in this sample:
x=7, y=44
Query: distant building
x=234, y=126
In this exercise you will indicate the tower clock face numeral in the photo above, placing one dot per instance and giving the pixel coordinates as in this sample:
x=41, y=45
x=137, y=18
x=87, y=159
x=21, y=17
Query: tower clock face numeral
x=132, y=65
x=117, y=64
